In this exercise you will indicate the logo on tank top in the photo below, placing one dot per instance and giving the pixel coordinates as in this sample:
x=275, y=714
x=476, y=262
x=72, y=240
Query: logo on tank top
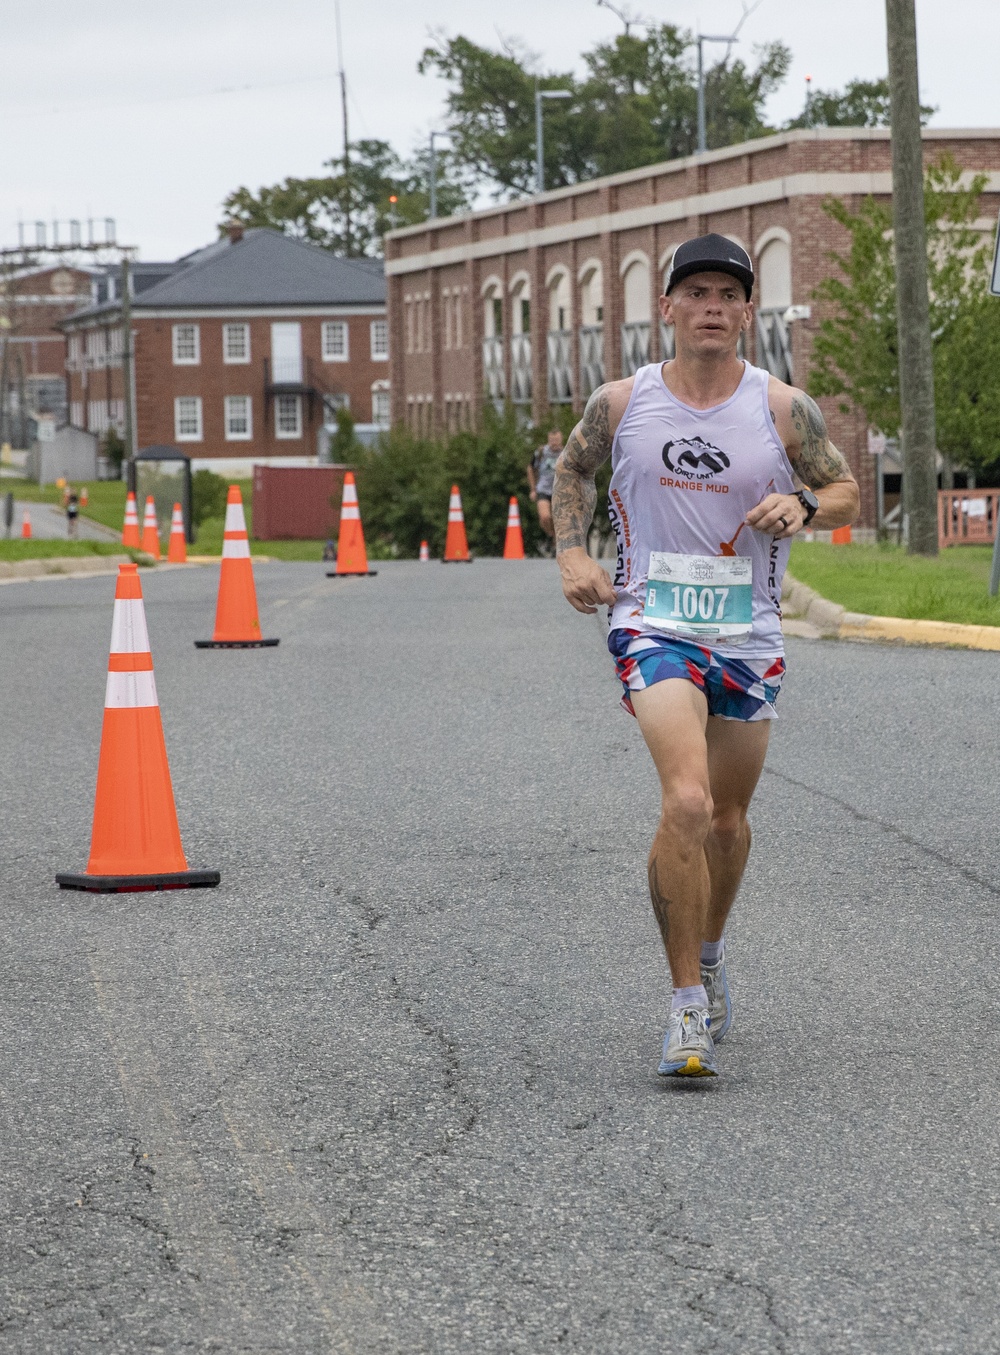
x=694, y=458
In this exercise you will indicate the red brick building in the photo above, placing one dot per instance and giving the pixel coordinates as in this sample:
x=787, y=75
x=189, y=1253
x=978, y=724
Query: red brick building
x=539, y=301
x=32, y=374
x=243, y=352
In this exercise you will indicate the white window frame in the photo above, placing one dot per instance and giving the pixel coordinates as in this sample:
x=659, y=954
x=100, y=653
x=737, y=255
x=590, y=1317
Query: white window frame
x=382, y=327
x=195, y=334
x=330, y=353
x=194, y=401
x=229, y=358
x=381, y=393
x=282, y=402
x=230, y=417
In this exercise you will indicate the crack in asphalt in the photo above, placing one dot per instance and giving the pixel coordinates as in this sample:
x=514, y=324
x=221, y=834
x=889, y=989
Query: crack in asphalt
x=891, y=829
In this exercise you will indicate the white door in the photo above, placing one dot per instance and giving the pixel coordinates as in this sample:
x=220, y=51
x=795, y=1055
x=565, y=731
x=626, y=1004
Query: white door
x=286, y=352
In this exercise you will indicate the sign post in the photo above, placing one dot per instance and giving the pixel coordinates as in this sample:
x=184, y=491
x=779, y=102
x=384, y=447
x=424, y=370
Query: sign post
x=995, y=291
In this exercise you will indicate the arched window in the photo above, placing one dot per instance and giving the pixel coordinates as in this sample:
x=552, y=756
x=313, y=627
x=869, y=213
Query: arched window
x=774, y=280
x=520, y=339
x=591, y=294
x=494, y=380
x=558, y=348
x=636, y=297
x=591, y=327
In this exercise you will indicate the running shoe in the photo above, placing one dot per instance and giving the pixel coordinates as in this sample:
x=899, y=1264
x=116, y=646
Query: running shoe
x=688, y=1050
x=720, y=1007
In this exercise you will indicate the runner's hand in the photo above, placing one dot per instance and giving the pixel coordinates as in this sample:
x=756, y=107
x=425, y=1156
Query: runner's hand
x=586, y=585
x=779, y=515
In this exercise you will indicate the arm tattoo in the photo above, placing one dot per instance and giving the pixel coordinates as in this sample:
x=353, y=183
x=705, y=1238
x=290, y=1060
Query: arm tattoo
x=574, y=496
x=817, y=460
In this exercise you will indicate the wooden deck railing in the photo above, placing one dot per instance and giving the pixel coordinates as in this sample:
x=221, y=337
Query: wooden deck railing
x=967, y=516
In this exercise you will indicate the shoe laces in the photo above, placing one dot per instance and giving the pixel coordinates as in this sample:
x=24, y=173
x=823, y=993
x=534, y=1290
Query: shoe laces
x=693, y=1023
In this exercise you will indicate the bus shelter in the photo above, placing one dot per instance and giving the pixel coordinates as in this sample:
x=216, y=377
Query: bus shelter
x=164, y=473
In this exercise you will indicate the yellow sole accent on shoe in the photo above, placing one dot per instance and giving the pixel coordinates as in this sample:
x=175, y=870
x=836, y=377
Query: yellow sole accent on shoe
x=694, y=1068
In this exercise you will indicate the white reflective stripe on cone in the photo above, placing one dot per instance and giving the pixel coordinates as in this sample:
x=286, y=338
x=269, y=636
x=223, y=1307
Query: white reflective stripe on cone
x=454, y=502
x=178, y=519
x=350, y=513
x=350, y=494
x=455, y=516
x=236, y=550
x=126, y=691
x=128, y=627
x=235, y=521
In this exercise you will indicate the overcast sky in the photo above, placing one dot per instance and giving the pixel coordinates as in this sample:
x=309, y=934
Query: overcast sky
x=152, y=113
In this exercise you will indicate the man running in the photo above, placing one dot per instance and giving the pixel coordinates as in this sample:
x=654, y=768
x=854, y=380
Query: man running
x=710, y=462
x=541, y=476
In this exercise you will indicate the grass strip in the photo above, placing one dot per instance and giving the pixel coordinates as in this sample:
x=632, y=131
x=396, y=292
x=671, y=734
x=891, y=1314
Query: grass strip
x=884, y=580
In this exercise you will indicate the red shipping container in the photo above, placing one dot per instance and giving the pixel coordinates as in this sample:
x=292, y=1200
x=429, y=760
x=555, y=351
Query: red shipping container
x=297, y=503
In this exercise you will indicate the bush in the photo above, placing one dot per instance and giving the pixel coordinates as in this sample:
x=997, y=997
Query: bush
x=208, y=496
x=343, y=444
x=114, y=450
x=404, y=483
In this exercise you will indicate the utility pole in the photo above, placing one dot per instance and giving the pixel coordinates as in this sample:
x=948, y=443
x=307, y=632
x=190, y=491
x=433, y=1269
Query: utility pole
x=916, y=364
x=541, y=94
x=126, y=286
x=348, y=244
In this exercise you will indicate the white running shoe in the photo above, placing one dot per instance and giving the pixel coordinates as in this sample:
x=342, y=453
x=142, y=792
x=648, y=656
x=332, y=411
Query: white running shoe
x=720, y=1007
x=688, y=1049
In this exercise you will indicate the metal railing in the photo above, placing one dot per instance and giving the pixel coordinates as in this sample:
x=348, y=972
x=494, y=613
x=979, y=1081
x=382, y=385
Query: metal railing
x=560, y=367
x=494, y=385
x=520, y=369
x=668, y=342
x=774, y=344
x=591, y=359
x=635, y=346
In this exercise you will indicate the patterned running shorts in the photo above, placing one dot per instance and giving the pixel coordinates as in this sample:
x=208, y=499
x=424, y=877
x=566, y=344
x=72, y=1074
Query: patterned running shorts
x=736, y=689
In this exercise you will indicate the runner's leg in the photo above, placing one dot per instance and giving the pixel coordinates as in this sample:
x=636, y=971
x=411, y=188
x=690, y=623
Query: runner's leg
x=545, y=517
x=736, y=752
x=672, y=716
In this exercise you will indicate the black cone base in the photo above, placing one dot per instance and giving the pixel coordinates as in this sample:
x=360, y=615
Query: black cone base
x=234, y=644
x=351, y=574
x=140, y=884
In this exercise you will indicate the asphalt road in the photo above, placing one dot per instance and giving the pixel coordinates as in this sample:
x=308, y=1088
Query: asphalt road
x=391, y=1088
x=50, y=521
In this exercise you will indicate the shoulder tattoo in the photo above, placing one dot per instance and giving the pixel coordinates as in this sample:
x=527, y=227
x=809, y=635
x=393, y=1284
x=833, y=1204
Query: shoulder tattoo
x=817, y=460
x=590, y=442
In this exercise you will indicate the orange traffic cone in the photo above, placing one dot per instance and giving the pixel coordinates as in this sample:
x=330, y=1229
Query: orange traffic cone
x=26, y=526
x=456, y=547
x=425, y=554
x=84, y=496
x=840, y=536
x=177, y=552
x=352, y=558
x=513, y=546
x=150, y=530
x=135, y=843
x=130, y=532
x=237, y=625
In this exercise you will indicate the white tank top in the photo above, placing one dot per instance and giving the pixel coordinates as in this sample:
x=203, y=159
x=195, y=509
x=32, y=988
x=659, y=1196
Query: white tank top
x=683, y=481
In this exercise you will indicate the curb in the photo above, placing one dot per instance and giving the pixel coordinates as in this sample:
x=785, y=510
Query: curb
x=814, y=617
x=55, y=566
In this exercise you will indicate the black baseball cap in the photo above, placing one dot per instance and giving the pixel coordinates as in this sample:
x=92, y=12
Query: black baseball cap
x=711, y=254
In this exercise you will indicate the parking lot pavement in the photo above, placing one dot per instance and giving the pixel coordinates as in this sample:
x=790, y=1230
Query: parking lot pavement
x=391, y=1087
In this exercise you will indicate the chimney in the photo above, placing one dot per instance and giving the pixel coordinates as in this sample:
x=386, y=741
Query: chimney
x=235, y=232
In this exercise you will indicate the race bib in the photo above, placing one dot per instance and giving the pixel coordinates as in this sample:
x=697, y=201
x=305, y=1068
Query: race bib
x=700, y=597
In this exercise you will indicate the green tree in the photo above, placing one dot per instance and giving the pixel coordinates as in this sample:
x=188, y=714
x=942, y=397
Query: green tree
x=861, y=103
x=636, y=105
x=114, y=450
x=855, y=351
x=349, y=213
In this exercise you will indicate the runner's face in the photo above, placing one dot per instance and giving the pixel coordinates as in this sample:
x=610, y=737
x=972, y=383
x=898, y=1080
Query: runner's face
x=709, y=311
x=555, y=441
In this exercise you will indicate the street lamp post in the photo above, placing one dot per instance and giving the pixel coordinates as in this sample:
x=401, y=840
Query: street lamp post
x=702, y=38
x=433, y=176
x=541, y=94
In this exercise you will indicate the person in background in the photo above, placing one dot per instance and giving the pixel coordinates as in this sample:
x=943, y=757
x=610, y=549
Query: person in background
x=541, y=479
x=72, y=513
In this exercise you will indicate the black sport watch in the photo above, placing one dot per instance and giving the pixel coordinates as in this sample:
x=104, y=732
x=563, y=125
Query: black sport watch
x=810, y=503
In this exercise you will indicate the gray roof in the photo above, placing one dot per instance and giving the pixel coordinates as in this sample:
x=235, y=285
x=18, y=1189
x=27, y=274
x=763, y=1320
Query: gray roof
x=266, y=268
